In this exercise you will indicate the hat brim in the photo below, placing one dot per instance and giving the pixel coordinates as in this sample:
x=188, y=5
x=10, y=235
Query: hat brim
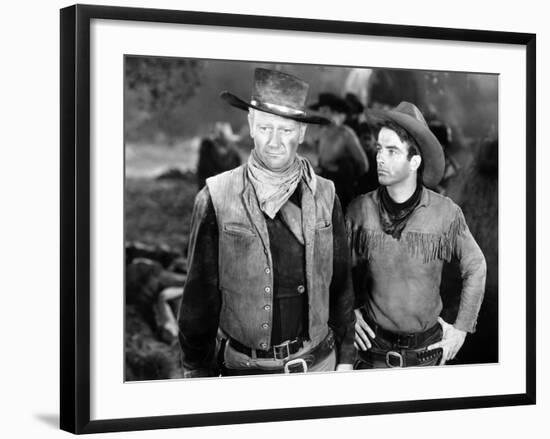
x=431, y=150
x=237, y=102
x=338, y=107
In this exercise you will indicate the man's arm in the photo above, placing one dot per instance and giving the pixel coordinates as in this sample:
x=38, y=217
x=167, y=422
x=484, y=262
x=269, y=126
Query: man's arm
x=199, y=311
x=341, y=315
x=473, y=270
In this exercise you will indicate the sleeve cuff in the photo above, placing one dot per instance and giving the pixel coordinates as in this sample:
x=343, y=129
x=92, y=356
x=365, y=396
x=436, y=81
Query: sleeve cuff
x=469, y=327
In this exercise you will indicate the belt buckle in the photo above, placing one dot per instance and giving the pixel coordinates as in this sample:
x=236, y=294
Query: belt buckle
x=394, y=354
x=281, y=346
x=296, y=361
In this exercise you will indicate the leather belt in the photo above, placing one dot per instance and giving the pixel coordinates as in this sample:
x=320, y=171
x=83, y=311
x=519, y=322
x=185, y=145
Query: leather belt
x=402, y=340
x=276, y=352
x=318, y=353
x=403, y=358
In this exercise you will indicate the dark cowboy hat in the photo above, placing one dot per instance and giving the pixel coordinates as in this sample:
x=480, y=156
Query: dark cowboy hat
x=356, y=107
x=277, y=93
x=334, y=102
x=409, y=117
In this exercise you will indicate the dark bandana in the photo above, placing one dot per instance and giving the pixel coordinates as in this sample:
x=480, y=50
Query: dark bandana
x=394, y=216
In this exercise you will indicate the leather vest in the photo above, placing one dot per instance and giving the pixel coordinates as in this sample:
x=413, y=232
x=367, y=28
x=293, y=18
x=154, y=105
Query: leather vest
x=245, y=263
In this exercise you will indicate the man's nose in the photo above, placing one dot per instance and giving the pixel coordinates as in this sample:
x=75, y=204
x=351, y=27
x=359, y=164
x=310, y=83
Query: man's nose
x=379, y=157
x=274, y=139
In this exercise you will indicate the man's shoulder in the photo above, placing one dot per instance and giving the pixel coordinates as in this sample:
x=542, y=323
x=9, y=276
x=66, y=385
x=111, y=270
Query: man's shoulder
x=227, y=175
x=231, y=180
x=324, y=182
x=203, y=203
x=325, y=190
x=438, y=201
x=362, y=204
x=347, y=131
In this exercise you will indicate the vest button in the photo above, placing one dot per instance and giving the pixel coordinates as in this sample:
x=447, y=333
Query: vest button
x=267, y=270
x=265, y=325
x=267, y=307
x=301, y=289
x=267, y=289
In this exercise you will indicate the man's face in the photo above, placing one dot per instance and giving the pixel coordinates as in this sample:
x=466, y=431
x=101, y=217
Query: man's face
x=393, y=166
x=276, y=139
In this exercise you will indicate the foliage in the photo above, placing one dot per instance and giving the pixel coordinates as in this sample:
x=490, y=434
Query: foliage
x=157, y=88
x=159, y=211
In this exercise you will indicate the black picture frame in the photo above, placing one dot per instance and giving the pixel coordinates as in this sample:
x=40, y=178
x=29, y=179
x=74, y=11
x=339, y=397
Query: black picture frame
x=76, y=211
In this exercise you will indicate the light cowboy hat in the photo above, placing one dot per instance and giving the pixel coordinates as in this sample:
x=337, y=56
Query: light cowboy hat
x=409, y=117
x=277, y=93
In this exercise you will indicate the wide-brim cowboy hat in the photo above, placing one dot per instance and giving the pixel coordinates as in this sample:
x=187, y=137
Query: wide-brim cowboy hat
x=356, y=107
x=277, y=93
x=332, y=101
x=409, y=117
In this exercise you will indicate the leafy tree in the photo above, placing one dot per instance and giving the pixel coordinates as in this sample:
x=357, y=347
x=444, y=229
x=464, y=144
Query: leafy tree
x=156, y=88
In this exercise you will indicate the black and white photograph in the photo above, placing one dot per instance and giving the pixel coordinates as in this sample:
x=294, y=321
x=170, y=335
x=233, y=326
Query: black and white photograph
x=277, y=218
x=293, y=218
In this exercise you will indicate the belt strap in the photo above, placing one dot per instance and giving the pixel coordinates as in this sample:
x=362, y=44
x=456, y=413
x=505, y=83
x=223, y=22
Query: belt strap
x=277, y=352
x=402, y=358
x=311, y=358
x=401, y=340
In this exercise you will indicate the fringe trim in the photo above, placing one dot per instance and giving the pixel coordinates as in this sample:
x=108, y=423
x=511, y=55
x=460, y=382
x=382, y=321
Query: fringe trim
x=428, y=246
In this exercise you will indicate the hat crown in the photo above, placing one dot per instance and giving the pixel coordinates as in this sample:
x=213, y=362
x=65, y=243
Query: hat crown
x=332, y=101
x=278, y=88
x=412, y=111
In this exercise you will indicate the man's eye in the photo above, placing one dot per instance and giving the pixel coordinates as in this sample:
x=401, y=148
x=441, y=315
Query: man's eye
x=288, y=130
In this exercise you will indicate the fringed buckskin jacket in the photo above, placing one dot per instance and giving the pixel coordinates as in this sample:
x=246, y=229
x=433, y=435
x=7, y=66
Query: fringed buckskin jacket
x=397, y=281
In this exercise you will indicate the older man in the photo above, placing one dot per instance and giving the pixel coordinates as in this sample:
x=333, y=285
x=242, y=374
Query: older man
x=401, y=235
x=269, y=285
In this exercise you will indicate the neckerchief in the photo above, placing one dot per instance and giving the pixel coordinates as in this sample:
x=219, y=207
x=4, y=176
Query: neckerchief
x=274, y=188
x=394, y=216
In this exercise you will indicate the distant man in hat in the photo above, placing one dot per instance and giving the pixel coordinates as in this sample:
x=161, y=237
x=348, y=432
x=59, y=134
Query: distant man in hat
x=217, y=153
x=401, y=234
x=355, y=112
x=341, y=157
x=269, y=282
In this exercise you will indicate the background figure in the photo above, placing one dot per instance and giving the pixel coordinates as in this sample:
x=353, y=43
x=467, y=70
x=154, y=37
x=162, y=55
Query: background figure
x=355, y=112
x=218, y=153
x=341, y=157
x=367, y=138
